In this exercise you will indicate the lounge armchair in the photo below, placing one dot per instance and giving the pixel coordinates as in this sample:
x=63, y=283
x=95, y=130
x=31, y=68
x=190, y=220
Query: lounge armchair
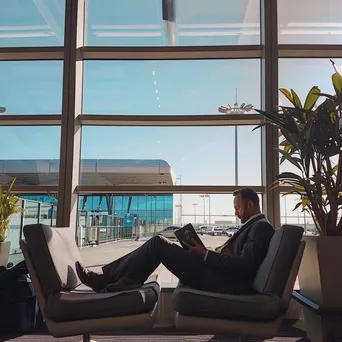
x=70, y=308
x=257, y=315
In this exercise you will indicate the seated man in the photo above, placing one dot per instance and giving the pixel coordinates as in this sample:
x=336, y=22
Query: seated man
x=229, y=269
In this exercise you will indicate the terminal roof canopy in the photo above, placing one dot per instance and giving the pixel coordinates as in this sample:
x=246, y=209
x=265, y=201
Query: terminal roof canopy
x=93, y=172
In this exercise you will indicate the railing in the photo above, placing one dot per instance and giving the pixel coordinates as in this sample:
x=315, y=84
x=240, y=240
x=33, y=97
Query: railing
x=34, y=212
x=95, y=235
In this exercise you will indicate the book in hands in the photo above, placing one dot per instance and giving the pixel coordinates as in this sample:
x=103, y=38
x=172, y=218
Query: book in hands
x=187, y=233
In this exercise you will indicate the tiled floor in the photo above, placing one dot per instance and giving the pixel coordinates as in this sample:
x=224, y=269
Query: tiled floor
x=290, y=332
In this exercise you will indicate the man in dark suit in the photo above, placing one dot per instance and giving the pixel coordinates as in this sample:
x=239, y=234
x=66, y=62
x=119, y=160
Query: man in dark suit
x=231, y=268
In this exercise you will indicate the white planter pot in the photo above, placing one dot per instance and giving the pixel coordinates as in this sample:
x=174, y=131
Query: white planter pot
x=4, y=252
x=320, y=280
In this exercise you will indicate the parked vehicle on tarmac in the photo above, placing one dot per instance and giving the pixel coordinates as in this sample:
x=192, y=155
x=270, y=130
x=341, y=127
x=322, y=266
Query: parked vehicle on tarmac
x=168, y=232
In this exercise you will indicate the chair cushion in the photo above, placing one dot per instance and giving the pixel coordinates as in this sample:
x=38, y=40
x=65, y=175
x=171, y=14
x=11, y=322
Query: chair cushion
x=54, y=253
x=257, y=307
x=83, y=303
x=274, y=271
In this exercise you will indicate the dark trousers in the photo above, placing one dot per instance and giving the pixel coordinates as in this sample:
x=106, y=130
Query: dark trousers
x=190, y=269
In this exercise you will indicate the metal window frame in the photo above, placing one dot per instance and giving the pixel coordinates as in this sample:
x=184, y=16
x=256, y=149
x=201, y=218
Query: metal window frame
x=34, y=189
x=30, y=120
x=69, y=169
x=73, y=53
x=269, y=93
x=31, y=53
x=161, y=189
x=309, y=51
x=171, y=52
x=170, y=120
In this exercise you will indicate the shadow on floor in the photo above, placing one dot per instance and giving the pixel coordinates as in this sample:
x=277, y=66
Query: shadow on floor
x=289, y=332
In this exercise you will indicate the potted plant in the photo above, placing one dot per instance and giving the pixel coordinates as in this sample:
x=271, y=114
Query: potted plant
x=9, y=204
x=311, y=135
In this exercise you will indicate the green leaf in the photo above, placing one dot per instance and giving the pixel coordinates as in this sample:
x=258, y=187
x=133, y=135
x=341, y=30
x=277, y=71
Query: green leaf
x=337, y=83
x=312, y=98
x=335, y=168
x=259, y=126
x=287, y=94
x=297, y=206
x=273, y=117
x=293, y=160
x=329, y=96
x=291, y=192
x=285, y=143
x=288, y=148
x=9, y=204
x=296, y=101
x=289, y=175
x=291, y=138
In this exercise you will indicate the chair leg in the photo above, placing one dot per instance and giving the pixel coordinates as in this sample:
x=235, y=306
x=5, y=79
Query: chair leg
x=243, y=339
x=86, y=338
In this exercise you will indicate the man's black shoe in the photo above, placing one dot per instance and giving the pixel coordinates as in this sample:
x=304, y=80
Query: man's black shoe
x=89, y=278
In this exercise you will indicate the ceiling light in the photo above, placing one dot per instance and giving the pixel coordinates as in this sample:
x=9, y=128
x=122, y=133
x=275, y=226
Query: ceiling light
x=235, y=109
x=155, y=82
x=156, y=91
x=223, y=109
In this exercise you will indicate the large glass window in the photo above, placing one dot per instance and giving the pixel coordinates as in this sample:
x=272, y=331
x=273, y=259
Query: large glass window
x=30, y=154
x=297, y=217
x=108, y=217
x=310, y=22
x=33, y=212
x=159, y=155
x=195, y=22
x=115, y=216
x=31, y=87
x=169, y=87
x=205, y=209
x=32, y=23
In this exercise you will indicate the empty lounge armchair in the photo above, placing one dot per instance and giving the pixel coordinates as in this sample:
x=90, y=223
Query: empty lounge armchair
x=70, y=308
x=255, y=315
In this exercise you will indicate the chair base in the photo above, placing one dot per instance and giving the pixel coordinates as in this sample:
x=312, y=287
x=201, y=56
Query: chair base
x=87, y=338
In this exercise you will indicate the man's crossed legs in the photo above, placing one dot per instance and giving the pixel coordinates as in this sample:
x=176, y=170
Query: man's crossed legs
x=133, y=269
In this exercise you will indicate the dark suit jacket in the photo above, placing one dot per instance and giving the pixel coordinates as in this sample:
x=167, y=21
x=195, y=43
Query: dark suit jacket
x=245, y=251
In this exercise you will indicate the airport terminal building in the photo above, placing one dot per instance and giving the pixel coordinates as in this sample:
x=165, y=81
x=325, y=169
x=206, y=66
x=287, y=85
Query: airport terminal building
x=149, y=213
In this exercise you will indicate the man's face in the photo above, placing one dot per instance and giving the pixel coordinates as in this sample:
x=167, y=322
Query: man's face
x=242, y=208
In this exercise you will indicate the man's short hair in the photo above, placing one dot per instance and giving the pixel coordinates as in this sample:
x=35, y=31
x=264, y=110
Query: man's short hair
x=248, y=194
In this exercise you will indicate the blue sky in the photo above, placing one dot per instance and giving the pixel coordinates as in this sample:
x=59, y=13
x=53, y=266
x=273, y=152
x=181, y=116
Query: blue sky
x=200, y=155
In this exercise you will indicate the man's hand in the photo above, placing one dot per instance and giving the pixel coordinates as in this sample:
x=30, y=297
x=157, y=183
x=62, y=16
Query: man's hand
x=196, y=248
